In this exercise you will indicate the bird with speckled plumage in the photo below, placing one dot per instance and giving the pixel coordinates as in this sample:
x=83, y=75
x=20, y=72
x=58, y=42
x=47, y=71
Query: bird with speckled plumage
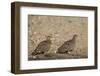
x=67, y=46
x=43, y=47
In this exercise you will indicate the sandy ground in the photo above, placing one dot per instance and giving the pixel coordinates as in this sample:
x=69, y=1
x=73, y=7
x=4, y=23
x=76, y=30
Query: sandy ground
x=56, y=56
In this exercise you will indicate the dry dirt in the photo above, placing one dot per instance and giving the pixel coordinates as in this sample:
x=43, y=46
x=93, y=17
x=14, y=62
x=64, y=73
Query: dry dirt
x=62, y=29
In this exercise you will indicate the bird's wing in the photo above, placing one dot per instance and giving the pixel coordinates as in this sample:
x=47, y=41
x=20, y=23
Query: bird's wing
x=42, y=43
x=65, y=46
x=41, y=46
x=67, y=43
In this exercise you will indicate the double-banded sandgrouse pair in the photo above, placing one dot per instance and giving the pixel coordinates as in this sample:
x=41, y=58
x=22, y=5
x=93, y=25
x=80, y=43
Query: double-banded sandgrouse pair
x=45, y=46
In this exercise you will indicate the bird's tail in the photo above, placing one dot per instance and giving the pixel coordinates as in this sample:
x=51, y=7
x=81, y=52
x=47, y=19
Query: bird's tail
x=34, y=53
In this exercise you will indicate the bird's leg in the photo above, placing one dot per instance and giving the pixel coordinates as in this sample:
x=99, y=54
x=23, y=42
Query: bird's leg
x=68, y=52
x=39, y=51
x=34, y=57
x=46, y=54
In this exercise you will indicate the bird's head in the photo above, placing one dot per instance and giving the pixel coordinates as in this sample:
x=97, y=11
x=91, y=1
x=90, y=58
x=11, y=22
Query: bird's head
x=48, y=37
x=75, y=36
